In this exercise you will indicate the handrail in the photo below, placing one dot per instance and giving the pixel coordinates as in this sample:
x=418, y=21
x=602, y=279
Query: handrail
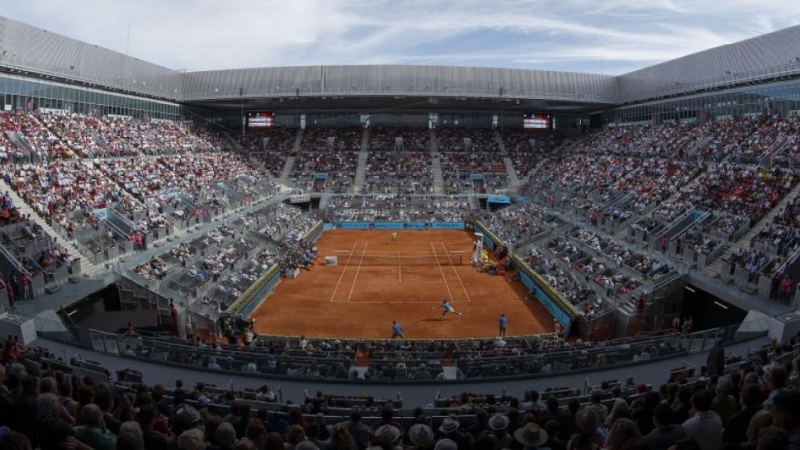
x=116, y=229
x=14, y=261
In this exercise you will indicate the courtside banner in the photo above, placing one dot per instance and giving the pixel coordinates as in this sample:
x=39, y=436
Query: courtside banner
x=551, y=307
x=354, y=225
x=389, y=225
x=414, y=225
x=400, y=225
x=447, y=225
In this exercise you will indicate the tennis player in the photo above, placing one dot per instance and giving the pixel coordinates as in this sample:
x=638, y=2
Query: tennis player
x=503, y=325
x=397, y=330
x=448, y=308
x=394, y=237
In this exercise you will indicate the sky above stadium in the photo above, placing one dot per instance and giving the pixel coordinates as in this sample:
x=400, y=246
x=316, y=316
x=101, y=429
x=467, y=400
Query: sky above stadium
x=597, y=36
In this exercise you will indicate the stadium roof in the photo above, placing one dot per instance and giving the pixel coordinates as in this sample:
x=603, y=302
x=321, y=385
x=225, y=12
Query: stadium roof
x=33, y=51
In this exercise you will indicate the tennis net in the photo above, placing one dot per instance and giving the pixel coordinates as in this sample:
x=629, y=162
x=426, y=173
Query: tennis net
x=402, y=260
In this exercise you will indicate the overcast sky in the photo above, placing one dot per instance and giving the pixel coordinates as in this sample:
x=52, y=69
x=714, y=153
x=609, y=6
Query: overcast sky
x=608, y=36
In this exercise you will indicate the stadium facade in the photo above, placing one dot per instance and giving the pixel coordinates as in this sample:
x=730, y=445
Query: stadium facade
x=41, y=69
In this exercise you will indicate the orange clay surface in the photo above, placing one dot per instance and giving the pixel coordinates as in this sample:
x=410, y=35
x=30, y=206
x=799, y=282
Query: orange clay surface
x=361, y=301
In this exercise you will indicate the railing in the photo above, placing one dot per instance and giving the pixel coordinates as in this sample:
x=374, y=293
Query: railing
x=472, y=366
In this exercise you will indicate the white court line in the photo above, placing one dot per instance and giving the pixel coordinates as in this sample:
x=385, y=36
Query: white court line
x=364, y=250
x=457, y=275
x=374, y=253
x=424, y=302
x=398, y=282
x=343, y=271
x=442, y=271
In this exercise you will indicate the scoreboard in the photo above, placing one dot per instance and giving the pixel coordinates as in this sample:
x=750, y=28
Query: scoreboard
x=537, y=122
x=260, y=119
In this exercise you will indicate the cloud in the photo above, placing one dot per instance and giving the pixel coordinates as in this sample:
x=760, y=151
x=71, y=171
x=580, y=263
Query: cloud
x=568, y=35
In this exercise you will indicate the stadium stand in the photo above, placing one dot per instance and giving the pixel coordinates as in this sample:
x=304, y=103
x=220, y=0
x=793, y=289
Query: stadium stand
x=67, y=395
x=605, y=219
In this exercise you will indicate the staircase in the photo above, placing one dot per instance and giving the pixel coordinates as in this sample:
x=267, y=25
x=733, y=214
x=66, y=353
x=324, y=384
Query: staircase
x=365, y=140
x=287, y=170
x=475, y=204
x=438, y=178
x=499, y=139
x=436, y=164
x=361, y=172
x=298, y=140
x=235, y=144
x=88, y=269
x=698, y=146
x=513, y=181
x=16, y=138
x=714, y=269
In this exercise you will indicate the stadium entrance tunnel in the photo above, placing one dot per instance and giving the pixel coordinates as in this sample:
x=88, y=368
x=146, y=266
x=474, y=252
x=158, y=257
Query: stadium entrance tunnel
x=708, y=311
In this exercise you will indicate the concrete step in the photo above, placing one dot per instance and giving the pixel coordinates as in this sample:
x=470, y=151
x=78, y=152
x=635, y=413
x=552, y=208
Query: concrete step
x=438, y=177
x=87, y=267
x=512, y=173
x=499, y=139
x=745, y=240
x=361, y=172
x=365, y=140
x=287, y=168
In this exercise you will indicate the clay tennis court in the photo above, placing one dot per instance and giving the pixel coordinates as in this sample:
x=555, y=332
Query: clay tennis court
x=377, y=282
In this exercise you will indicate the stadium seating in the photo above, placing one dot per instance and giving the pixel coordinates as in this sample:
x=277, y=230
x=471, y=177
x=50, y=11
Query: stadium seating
x=166, y=413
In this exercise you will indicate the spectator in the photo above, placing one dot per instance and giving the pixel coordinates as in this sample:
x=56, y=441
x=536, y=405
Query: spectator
x=94, y=433
x=786, y=405
x=498, y=424
x=666, y=432
x=586, y=436
x=531, y=437
x=704, y=426
x=622, y=431
x=736, y=430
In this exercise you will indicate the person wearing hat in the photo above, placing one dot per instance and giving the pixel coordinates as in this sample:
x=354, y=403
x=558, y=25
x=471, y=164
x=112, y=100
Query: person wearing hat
x=498, y=424
x=450, y=429
x=598, y=407
x=446, y=444
x=421, y=436
x=185, y=418
x=449, y=426
x=531, y=436
x=388, y=436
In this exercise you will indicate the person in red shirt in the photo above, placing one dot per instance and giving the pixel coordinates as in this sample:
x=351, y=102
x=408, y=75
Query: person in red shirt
x=10, y=350
x=786, y=289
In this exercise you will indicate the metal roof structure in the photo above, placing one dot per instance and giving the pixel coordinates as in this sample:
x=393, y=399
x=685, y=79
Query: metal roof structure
x=32, y=51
